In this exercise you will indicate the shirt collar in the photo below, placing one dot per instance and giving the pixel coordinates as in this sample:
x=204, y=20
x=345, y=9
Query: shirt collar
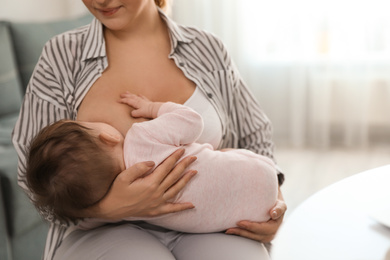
x=177, y=32
x=94, y=41
x=95, y=44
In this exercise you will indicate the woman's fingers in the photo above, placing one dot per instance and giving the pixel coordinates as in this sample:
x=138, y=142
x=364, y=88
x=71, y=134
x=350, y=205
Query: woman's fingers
x=165, y=168
x=279, y=210
x=177, y=172
x=263, y=232
x=179, y=185
x=250, y=235
x=175, y=207
x=137, y=170
x=134, y=195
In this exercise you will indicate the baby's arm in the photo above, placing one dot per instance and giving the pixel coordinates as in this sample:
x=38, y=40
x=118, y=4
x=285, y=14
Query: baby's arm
x=143, y=107
x=173, y=124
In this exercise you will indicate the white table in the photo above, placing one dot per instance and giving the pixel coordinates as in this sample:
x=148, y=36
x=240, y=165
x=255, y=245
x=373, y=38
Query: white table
x=338, y=222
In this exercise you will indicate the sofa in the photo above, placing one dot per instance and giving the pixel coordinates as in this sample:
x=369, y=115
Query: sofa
x=22, y=231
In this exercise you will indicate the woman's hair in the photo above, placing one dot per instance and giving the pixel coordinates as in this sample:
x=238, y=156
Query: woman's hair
x=165, y=5
x=68, y=170
x=161, y=3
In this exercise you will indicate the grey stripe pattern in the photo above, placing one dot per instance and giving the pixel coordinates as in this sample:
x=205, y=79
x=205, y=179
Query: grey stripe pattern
x=71, y=62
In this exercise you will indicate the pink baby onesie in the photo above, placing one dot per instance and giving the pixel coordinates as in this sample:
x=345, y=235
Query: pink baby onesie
x=230, y=186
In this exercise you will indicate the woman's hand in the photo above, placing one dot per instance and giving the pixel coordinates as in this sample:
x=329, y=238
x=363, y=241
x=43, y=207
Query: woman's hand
x=265, y=231
x=134, y=196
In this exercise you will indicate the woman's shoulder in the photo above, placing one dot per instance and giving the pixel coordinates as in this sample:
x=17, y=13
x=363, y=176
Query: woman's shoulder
x=73, y=46
x=63, y=51
x=68, y=38
x=202, y=40
x=73, y=34
x=207, y=46
x=200, y=34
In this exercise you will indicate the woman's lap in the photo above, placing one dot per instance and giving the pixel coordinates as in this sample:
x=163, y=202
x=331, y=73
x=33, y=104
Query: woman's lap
x=218, y=246
x=116, y=242
x=130, y=241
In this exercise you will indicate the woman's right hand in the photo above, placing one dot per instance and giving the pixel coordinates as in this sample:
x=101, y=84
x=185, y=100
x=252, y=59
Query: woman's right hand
x=134, y=196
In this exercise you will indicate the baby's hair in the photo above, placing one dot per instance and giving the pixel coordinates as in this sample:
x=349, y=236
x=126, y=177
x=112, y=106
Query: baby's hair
x=68, y=170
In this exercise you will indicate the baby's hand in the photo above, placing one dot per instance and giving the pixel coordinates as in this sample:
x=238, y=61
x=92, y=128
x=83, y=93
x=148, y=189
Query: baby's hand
x=143, y=107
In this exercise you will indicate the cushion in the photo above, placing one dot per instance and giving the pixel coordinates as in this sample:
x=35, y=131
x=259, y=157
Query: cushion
x=20, y=213
x=7, y=124
x=4, y=238
x=29, y=39
x=10, y=85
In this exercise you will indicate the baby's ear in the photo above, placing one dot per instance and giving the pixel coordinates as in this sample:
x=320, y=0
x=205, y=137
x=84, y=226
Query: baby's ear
x=109, y=139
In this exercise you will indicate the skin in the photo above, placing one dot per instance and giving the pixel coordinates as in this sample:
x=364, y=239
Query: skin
x=112, y=139
x=137, y=43
x=257, y=231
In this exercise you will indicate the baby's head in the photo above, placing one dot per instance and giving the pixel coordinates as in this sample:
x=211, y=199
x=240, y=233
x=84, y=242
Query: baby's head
x=71, y=167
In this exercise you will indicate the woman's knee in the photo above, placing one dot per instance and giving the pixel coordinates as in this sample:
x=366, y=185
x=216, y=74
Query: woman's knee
x=219, y=246
x=112, y=242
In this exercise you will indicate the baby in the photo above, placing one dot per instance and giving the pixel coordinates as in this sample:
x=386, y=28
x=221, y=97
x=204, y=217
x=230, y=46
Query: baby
x=72, y=165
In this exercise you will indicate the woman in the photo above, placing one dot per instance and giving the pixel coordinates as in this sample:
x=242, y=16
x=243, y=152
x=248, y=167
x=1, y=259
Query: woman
x=132, y=46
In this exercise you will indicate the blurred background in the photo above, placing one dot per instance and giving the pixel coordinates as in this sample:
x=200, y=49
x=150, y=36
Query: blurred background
x=319, y=68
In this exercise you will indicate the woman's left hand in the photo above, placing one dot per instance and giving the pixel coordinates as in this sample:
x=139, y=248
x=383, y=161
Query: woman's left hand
x=262, y=231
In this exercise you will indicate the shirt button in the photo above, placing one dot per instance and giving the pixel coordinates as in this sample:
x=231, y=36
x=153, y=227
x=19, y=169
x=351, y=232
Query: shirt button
x=210, y=95
x=181, y=64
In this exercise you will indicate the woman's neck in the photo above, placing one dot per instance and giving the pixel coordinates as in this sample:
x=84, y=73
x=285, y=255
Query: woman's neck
x=145, y=25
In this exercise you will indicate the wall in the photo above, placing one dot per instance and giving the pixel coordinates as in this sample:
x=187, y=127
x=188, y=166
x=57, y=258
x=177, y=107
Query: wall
x=40, y=10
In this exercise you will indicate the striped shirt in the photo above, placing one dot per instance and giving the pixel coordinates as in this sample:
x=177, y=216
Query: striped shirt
x=71, y=62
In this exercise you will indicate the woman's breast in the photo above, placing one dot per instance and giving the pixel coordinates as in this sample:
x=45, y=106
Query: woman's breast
x=100, y=104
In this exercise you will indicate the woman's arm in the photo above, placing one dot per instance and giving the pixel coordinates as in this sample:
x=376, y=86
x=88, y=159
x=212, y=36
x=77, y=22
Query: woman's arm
x=260, y=141
x=42, y=105
x=45, y=102
x=255, y=134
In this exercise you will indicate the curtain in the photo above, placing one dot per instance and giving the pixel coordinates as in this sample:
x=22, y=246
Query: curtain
x=320, y=69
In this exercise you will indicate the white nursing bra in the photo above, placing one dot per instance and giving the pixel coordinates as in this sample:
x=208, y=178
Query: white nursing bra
x=212, y=132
